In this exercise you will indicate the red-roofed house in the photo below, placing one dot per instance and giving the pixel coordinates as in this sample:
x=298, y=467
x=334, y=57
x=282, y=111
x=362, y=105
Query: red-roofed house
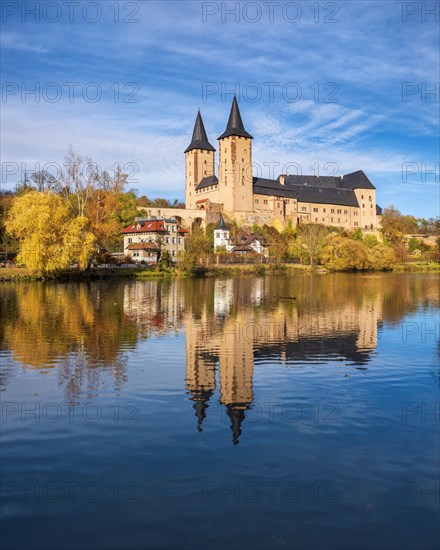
x=144, y=240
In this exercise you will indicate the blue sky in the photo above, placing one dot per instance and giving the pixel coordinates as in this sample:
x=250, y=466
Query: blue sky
x=337, y=71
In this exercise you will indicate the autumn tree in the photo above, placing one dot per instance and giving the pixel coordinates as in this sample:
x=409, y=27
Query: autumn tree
x=8, y=245
x=313, y=238
x=50, y=238
x=395, y=225
x=197, y=247
x=342, y=254
x=381, y=257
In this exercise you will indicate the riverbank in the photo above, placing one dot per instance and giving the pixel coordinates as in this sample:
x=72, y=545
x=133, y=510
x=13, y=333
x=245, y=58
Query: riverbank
x=15, y=274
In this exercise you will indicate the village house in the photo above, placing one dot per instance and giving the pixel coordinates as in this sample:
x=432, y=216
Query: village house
x=241, y=243
x=146, y=239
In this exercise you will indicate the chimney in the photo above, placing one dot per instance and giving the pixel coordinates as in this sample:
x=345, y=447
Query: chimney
x=282, y=179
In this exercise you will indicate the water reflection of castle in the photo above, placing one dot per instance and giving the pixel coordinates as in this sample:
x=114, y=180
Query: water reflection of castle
x=232, y=323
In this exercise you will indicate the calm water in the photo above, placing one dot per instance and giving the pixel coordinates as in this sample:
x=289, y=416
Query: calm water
x=260, y=413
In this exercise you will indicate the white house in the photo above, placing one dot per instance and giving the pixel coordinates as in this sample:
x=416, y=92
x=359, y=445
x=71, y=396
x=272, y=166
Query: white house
x=222, y=236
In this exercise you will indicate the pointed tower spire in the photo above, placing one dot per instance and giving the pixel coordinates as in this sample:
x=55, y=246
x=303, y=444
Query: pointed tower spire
x=221, y=224
x=199, y=137
x=235, y=125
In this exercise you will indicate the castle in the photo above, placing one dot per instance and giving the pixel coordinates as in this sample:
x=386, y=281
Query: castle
x=347, y=201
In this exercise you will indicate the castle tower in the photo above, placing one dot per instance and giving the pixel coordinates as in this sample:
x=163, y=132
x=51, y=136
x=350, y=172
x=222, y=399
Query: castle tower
x=235, y=165
x=199, y=161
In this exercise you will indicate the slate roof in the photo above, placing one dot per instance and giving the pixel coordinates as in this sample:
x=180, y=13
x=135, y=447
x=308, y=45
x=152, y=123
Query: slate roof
x=235, y=125
x=305, y=193
x=199, y=137
x=206, y=182
x=378, y=210
x=221, y=224
x=315, y=189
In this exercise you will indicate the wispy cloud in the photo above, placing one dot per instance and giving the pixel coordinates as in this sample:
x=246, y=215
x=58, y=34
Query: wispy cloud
x=21, y=43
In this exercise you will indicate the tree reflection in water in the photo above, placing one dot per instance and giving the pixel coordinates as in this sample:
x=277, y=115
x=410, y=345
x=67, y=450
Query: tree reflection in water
x=85, y=330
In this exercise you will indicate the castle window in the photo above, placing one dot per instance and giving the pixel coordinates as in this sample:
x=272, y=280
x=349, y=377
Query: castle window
x=316, y=219
x=180, y=241
x=265, y=202
x=370, y=198
x=362, y=197
x=257, y=201
x=345, y=212
x=371, y=206
x=129, y=240
x=332, y=211
x=315, y=210
x=323, y=210
x=355, y=224
x=304, y=208
x=339, y=211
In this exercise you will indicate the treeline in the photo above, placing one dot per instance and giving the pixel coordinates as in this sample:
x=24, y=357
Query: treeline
x=331, y=247
x=50, y=224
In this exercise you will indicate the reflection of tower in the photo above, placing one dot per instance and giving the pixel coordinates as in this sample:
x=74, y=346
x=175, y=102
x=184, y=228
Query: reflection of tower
x=200, y=372
x=369, y=316
x=223, y=296
x=236, y=362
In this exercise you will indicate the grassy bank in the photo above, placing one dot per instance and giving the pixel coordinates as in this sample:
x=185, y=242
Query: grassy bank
x=252, y=269
x=418, y=267
x=15, y=274
x=22, y=274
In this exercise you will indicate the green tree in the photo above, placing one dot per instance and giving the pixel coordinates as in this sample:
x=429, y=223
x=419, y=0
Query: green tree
x=370, y=240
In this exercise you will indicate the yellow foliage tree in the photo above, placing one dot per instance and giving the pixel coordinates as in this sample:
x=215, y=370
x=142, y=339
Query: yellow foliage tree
x=381, y=257
x=50, y=239
x=342, y=254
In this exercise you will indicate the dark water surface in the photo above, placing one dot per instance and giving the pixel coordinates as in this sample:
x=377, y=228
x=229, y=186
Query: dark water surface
x=280, y=412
